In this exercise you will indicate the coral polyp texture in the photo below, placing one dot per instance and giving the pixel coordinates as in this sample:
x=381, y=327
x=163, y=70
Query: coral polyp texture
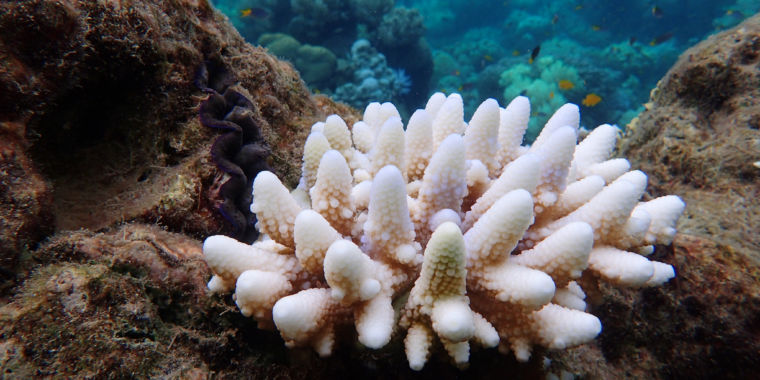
x=445, y=233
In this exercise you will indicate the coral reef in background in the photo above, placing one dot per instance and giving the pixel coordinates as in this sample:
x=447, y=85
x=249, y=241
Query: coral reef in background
x=401, y=38
x=619, y=52
x=484, y=238
x=541, y=81
x=401, y=27
x=371, y=78
x=618, y=58
x=311, y=34
x=315, y=64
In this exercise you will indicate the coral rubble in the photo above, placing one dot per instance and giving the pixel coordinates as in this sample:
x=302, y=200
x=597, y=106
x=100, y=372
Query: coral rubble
x=482, y=237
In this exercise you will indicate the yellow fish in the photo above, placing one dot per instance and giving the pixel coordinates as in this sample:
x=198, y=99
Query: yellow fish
x=565, y=84
x=488, y=57
x=591, y=100
x=245, y=12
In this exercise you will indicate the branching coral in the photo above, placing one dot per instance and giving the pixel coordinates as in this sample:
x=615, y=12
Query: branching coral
x=482, y=237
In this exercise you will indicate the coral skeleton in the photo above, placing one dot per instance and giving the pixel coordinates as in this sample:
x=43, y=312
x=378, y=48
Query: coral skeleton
x=445, y=233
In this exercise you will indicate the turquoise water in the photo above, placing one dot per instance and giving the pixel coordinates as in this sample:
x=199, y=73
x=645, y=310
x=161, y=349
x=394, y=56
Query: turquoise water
x=604, y=56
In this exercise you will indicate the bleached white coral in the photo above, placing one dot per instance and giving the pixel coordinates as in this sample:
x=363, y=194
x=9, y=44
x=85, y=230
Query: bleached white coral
x=480, y=239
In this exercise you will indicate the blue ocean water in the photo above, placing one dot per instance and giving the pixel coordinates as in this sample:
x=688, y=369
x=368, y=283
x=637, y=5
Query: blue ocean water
x=604, y=56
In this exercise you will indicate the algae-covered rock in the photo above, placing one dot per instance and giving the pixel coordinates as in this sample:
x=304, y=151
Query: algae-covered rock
x=104, y=100
x=700, y=138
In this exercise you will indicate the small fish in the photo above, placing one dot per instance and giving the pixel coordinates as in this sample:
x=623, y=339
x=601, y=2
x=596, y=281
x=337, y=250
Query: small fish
x=534, y=54
x=657, y=12
x=515, y=53
x=565, y=84
x=631, y=40
x=254, y=13
x=555, y=18
x=660, y=39
x=488, y=57
x=455, y=73
x=460, y=88
x=591, y=100
x=551, y=95
x=579, y=7
x=596, y=27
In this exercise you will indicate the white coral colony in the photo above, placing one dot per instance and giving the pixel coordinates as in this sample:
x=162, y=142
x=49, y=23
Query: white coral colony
x=482, y=237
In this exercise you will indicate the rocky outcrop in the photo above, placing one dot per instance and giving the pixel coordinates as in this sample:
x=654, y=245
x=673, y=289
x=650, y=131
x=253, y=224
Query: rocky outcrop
x=699, y=137
x=99, y=115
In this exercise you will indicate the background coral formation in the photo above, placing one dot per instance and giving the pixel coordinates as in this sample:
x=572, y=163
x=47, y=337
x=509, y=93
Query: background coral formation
x=317, y=37
x=619, y=50
x=77, y=154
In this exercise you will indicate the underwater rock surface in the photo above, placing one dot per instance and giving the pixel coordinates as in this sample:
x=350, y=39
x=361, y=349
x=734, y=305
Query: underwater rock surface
x=102, y=100
x=700, y=137
x=95, y=96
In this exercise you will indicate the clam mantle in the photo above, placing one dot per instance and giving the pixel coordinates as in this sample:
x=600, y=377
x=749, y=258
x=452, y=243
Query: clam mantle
x=478, y=238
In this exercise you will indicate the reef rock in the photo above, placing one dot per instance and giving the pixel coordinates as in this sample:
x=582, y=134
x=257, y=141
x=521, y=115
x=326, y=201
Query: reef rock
x=700, y=138
x=99, y=106
x=25, y=202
